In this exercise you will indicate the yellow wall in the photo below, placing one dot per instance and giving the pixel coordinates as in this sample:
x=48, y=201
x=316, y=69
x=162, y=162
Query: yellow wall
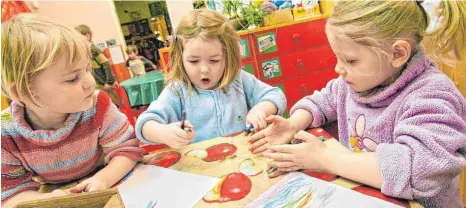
x=138, y=6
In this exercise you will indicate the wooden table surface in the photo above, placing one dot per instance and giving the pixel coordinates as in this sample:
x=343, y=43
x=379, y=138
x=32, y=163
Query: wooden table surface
x=260, y=182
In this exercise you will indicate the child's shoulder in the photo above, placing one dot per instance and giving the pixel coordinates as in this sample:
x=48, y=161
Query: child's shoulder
x=7, y=122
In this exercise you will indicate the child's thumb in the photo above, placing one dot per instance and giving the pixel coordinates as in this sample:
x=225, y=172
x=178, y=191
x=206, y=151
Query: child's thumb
x=273, y=119
x=305, y=137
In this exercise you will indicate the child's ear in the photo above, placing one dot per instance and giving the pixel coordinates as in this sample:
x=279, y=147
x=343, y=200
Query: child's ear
x=401, y=53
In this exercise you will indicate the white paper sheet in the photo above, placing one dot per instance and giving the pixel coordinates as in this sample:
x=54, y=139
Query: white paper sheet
x=300, y=190
x=117, y=55
x=149, y=185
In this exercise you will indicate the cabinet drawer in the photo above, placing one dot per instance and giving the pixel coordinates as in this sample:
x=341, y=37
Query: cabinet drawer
x=298, y=87
x=301, y=36
x=310, y=60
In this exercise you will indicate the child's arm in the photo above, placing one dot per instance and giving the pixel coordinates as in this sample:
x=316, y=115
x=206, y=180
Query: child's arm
x=118, y=142
x=311, y=111
x=264, y=100
x=429, y=146
x=160, y=123
x=29, y=196
x=147, y=62
x=17, y=183
x=321, y=105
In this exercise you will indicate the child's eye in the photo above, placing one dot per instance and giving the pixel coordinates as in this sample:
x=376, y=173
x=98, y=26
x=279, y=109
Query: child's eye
x=72, y=80
x=194, y=62
x=214, y=61
x=351, y=61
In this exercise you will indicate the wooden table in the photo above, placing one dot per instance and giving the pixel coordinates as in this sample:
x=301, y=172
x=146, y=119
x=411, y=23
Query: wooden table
x=260, y=182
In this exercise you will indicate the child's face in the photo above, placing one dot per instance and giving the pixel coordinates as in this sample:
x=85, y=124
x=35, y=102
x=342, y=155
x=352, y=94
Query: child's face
x=204, y=62
x=59, y=90
x=359, y=66
x=133, y=55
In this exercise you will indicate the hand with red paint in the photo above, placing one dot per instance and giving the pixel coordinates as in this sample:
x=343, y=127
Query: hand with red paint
x=280, y=132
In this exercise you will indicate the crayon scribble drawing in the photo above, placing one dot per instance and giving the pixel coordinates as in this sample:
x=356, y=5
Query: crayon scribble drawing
x=297, y=190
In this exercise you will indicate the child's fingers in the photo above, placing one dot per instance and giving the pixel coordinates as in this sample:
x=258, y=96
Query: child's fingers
x=257, y=144
x=79, y=188
x=276, y=173
x=289, y=169
x=305, y=136
x=262, y=124
x=279, y=156
x=188, y=124
x=256, y=136
x=273, y=119
x=260, y=149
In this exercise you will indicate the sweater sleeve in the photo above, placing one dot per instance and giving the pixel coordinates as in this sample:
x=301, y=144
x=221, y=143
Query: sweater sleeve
x=429, y=145
x=322, y=104
x=116, y=136
x=15, y=177
x=166, y=109
x=256, y=91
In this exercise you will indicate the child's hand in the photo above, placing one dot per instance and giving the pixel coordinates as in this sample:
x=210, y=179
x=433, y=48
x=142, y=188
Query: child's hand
x=280, y=132
x=292, y=157
x=89, y=185
x=177, y=137
x=257, y=118
x=57, y=193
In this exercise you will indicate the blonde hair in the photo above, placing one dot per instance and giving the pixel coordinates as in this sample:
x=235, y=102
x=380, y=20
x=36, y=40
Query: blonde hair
x=32, y=43
x=379, y=24
x=207, y=24
x=132, y=49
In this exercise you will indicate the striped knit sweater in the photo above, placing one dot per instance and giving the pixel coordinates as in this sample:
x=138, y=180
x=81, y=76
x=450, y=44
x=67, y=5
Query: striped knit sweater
x=66, y=154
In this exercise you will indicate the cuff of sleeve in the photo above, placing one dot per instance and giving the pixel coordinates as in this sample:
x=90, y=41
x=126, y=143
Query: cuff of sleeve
x=394, y=163
x=142, y=119
x=307, y=104
x=32, y=185
x=134, y=153
x=279, y=104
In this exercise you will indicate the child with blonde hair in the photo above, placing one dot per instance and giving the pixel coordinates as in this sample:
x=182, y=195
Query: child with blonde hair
x=402, y=123
x=207, y=82
x=57, y=129
x=137, y=65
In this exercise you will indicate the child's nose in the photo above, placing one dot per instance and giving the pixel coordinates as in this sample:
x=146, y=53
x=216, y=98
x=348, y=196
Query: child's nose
x=204, y=68
x=339, y=69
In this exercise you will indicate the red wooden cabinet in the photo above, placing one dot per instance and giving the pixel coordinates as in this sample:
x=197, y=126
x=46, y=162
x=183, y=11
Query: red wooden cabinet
x=301, y=86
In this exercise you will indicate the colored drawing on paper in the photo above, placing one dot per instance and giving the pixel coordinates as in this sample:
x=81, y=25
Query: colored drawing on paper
x=299, y=190
x=271, y=68
x=267, y=43
x=151, y=204
x=244, y=48
x=164, y=159
x=231, y=187
x=216, y=152
x=249, y=168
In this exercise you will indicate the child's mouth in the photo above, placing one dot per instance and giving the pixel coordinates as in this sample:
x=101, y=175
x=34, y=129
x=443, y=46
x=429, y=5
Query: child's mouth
x=205, y=81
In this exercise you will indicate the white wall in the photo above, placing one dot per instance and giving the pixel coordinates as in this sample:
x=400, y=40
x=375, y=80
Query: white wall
x=177, y=9
x=100, y=16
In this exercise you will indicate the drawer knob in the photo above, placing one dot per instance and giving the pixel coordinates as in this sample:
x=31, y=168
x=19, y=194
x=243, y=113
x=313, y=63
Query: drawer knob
x=296, y=38
x=300, y=64
x=304, y=89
